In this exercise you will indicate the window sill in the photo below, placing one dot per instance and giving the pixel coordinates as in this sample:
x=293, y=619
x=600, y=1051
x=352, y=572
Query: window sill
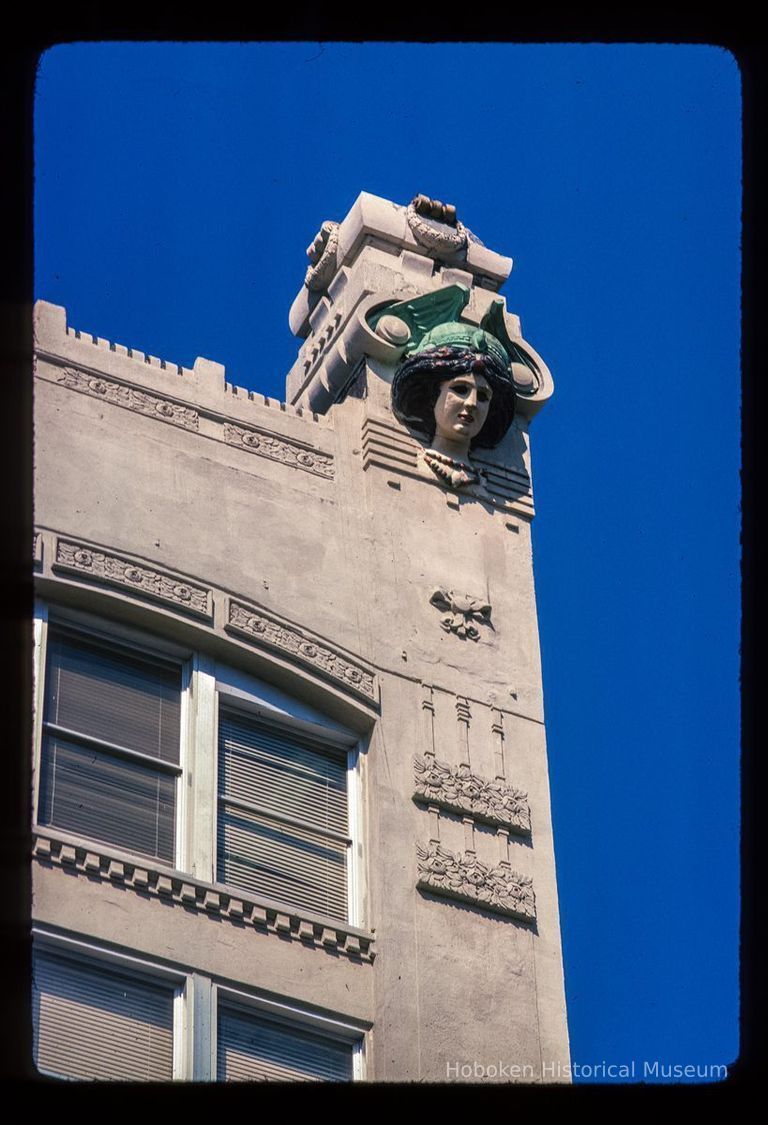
x=148, y=877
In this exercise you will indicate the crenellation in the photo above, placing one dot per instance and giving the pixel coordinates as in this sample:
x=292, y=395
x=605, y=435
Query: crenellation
x=203, y=385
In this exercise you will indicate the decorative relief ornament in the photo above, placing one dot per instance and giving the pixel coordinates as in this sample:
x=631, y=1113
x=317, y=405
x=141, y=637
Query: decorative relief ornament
x=499, y=888
x=322, y=256
x=115, y=570
x=280, y=449
x=251, y=622
x=458, y=789
x=461, y=610
x=131, y=398
x=457, y=474
x=434, y=225
x=457, y=383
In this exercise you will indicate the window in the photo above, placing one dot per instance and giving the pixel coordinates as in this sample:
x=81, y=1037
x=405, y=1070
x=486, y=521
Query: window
x=253, y=1047
x=161, y=752
x=283, y=822
x=110, y=759
x=101, y=1019
x=103, y=1015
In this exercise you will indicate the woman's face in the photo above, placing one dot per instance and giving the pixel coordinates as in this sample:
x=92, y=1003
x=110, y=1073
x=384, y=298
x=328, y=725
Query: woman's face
x=462, y=407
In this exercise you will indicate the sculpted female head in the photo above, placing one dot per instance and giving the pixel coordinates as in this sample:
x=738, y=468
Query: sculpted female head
x=459, y=398
x=461, y=409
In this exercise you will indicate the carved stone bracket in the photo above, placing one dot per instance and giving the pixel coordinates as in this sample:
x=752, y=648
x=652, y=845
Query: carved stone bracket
x=499, y=889
x=130, y=397
x=461, y=611
x=254, y=624
x=177, y=888
x=279, y=449
x=458, y=789
x=115, y=570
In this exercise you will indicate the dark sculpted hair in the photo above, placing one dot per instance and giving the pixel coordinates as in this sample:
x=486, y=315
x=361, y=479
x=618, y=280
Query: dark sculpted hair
x=417, y=382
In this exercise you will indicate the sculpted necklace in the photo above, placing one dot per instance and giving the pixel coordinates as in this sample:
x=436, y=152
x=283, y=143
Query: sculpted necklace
x=454, y=472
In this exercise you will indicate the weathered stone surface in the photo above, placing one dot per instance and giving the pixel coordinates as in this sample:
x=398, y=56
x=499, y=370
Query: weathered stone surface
x=320, y=574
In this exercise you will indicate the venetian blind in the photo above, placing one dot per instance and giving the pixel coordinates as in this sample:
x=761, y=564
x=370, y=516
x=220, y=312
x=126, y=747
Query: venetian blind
x=91, y=1022
x=113, y=694
x=108, y=714
x=283, y=818
x=253, y=1048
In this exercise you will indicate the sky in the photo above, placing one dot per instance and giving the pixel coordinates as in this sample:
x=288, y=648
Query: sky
x=177, y=187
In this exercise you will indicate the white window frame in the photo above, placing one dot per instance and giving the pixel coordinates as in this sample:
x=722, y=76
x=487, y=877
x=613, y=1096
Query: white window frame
x=196, y=1006
x=206, y=685
x=144, y=643
x=290, y=1015
x=240, y=692
x=99, y=956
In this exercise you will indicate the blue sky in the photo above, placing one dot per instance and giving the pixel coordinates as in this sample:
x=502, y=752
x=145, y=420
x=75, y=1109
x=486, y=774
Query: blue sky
x=177, y=187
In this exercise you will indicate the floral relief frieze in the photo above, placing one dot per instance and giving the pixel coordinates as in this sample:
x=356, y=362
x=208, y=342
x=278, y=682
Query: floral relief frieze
x=458, y=789
x=464, y=877
x=177, y=888
x=130, y=397
x=255, y=624
x=113, y=569
x=279, y=449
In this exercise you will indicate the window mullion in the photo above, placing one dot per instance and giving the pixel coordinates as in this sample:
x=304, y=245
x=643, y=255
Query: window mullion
x=198, y=1023
x=38, y=697
x=199, y=757
x=354, y=865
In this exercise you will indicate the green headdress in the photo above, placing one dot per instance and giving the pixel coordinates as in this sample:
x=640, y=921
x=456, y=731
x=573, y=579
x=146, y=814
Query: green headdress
x=441, y=346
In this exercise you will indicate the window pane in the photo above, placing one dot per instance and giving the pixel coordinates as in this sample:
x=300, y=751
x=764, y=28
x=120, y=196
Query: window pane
x=294, y=866
x=282, y=773
x=297, y=780
x=95, y=794
x=113, y=695
x=253, y=1048
x=91, y=1022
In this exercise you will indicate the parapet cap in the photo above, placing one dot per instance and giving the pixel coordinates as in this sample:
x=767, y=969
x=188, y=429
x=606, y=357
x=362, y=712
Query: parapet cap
x=203, y=384
x=393, y=227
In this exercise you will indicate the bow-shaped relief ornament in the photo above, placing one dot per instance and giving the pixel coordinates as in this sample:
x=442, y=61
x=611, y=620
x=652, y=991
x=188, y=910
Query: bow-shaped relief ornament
x=461, y=611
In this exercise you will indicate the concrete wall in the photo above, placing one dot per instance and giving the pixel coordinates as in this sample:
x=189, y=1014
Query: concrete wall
x=174, y=473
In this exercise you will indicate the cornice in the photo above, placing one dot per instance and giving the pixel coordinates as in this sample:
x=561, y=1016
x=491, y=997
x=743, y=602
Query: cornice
x=176, y=888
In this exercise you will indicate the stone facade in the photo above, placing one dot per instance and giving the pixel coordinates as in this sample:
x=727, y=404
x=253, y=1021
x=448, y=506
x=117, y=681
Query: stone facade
x=304, y=547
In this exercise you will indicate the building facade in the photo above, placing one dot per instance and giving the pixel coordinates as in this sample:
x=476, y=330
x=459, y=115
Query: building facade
x=291, y=798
